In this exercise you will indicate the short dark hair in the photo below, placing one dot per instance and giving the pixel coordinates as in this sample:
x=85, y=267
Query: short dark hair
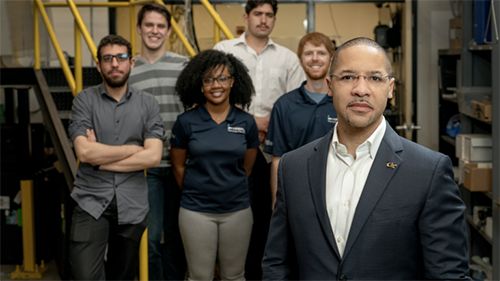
x=189, y=83
x=356, y=42
x=154, y=7
x=317, y=39
x=113, y=40
x=251, y=4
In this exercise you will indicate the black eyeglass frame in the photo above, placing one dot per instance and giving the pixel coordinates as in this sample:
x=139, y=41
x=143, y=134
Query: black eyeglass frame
x=119, y=58
x=218, y=81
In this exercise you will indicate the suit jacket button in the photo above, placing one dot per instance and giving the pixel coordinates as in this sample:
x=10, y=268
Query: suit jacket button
x=343, y=277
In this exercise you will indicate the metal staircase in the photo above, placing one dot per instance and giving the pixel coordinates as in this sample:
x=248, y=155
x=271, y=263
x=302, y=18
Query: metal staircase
x=61, y=92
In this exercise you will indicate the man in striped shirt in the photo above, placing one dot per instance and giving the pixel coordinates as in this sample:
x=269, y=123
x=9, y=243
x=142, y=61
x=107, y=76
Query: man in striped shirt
x=156, y=72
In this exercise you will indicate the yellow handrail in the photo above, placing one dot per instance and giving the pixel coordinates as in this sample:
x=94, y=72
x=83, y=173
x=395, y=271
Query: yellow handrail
x=216, y=33
x=179, y=33
x=143, y=257
x=57, y=47
x=141, y=2
x=132, y=28
x=78, y=59
x=183, y=38
x=217, y=19
x=131, y=4
x=83, y=29
x=89, y=4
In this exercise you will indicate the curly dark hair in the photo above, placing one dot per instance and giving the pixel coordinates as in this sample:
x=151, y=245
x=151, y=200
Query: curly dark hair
x=113, y=40
x=189, y=83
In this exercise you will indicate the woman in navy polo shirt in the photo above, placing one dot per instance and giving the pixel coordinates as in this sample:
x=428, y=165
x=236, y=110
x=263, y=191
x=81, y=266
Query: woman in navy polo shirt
x=214, y=146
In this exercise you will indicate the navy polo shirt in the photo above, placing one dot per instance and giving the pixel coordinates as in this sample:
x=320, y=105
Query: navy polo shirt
x=296, y=120
x=215, y=180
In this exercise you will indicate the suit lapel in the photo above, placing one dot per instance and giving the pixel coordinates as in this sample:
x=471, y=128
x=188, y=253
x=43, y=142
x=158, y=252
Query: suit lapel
x=316, y=168
x=380, y=174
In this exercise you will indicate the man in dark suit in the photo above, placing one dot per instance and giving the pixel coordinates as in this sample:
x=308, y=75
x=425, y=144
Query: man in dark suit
x=362, y=202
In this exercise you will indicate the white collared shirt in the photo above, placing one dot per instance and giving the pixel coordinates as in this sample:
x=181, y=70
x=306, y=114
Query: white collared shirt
x=274, y=72
x=345, y=180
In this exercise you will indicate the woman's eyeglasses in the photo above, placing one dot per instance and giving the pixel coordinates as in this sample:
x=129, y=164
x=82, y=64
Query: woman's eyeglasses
x=222, y=80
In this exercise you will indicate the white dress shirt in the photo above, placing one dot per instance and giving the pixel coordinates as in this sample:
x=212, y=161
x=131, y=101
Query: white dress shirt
x=345, y=180
x=274, y=72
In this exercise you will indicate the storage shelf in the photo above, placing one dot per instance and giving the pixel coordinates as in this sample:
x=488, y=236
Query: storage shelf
x=480, y=48
x=450, y=52
x=449, y=140
x=475, y=118
x=470, y=220
x=455, y=100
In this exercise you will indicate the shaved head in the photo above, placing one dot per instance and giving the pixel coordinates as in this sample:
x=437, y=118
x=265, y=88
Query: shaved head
x=356, y=42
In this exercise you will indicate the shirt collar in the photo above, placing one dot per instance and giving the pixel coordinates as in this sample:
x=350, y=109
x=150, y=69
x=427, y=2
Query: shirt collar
x=242, y=40
x=304, y=98
x=104, y=91
x=205, y=115
x=373, y=142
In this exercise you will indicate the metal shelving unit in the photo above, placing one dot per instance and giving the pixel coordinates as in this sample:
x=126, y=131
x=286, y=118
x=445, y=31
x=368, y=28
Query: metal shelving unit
x=480, y=67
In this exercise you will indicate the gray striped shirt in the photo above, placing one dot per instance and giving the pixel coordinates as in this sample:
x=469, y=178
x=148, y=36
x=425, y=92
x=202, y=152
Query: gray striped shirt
x=159, y=79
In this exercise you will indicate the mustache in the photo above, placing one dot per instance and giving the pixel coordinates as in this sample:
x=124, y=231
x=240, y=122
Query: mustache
x=115, y=69
x=359, y=100
x=262, y=24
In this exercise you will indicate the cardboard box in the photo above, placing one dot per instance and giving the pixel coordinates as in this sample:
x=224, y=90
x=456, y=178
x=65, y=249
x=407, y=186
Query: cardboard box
x=482, y=110
x=478, y=176
x=455, y=33
x=474, y=147
x=466, y=95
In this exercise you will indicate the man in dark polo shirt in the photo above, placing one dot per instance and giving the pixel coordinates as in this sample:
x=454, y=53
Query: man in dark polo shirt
x=117, y=132
x=306, y=113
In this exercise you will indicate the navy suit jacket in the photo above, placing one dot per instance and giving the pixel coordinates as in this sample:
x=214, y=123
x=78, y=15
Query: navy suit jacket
x=408, y=225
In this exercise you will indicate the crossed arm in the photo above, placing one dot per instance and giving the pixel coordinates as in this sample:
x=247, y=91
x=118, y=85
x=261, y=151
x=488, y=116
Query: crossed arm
x=122, y=158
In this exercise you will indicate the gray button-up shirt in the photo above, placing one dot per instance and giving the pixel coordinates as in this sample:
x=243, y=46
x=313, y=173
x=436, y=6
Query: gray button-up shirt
x=130, y=121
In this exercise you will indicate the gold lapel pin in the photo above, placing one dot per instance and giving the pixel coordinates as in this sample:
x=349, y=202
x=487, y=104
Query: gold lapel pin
x=391, y=165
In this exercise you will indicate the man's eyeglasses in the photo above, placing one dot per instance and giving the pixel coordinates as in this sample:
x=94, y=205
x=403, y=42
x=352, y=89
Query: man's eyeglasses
x=374, y=80
x=119, y=58
x=222, y=80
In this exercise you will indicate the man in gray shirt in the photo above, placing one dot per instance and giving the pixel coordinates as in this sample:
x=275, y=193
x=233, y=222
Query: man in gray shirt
x=117, y=132
x=156, y=72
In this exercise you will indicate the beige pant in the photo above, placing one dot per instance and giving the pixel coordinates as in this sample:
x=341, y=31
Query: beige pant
x=208, y=238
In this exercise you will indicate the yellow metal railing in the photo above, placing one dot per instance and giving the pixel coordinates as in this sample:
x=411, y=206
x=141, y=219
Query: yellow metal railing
x=218, y=22
x=64, y=64
x=74, y=82
x=29, y=269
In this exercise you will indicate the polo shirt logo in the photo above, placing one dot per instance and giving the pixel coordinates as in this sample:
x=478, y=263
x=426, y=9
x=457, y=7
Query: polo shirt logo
x=268, y=142
x=236, y=130
x=331, y=119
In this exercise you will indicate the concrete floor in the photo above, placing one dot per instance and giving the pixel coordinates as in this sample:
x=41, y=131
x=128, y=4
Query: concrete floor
x=52, y=273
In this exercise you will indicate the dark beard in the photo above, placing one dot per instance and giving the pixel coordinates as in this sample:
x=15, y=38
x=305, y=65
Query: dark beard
x=116, y=83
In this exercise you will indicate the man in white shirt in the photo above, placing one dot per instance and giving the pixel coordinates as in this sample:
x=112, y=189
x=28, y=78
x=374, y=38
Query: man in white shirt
x=275, y=70
x=362, y=202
